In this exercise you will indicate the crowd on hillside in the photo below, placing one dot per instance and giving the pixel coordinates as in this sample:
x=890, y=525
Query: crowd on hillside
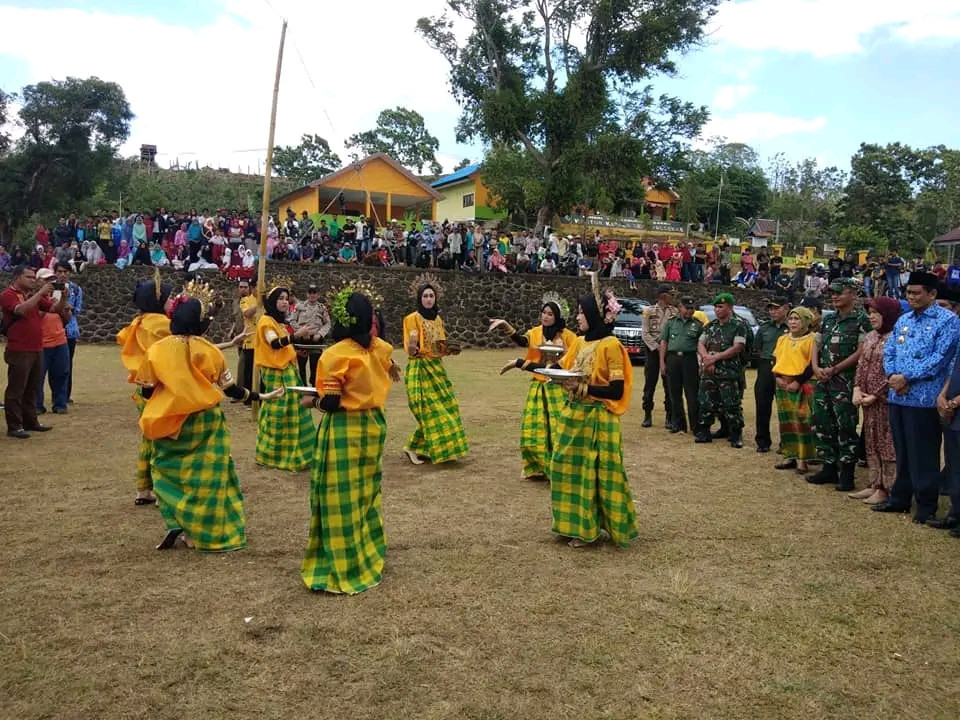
x=229, y=242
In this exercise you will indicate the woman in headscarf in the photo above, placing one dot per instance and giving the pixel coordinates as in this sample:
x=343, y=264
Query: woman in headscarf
x=158, y=256
x=123, y=255
x=870, y=393
x=544, y=399
x=439, y=436
x=152, y=299
x=346, y=548
x=791, y=369
x=589, y=490
x=183, y=378
x=285, y=430
x=139, y=231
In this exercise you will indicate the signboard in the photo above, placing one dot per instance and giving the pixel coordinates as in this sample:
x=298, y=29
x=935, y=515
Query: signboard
x=602, y=221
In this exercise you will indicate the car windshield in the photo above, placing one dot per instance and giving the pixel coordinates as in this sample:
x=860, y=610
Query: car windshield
x=631, y=312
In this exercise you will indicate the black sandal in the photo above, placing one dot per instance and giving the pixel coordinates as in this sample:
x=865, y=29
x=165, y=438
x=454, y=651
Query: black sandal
x=145, y=501
x=786, y=465
x=170, y=539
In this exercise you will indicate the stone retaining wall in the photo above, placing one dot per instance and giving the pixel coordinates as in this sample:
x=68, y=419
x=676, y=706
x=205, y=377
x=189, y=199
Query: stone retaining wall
x=467, y=303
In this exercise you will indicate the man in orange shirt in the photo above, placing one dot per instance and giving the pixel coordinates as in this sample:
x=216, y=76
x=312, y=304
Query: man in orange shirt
x=56, y=351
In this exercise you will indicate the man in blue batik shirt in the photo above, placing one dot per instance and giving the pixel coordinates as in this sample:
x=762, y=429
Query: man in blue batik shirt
x=918, y=359
x=75, y=306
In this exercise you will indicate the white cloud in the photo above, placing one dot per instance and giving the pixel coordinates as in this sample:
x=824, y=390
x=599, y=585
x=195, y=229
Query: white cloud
x=728, y=97
x=758, y=126
x=825, y=28
x=208, y=98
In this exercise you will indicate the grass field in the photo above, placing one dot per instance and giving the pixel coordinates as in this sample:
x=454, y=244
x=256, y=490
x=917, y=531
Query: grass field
x=749, y=593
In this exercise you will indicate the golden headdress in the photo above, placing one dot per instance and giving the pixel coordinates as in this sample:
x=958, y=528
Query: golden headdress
x=427, y=278
x=199, y=289
x=552, y=296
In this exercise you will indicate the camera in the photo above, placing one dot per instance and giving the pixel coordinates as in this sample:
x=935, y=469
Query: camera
x=59, y=286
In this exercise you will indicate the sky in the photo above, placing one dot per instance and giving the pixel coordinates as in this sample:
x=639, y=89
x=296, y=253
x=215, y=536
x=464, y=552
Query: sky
x=807, y=78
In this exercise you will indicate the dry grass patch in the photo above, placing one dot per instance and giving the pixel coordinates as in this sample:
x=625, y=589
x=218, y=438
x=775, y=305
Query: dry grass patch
x=748, y=595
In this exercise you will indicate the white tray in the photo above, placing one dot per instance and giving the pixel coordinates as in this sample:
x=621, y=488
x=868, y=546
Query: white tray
x=559, y=373
x=303, y=389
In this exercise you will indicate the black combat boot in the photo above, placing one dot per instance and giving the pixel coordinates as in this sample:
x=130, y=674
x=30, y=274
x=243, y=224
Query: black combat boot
x=845, y=477
x=647, y=420
x=826, y=476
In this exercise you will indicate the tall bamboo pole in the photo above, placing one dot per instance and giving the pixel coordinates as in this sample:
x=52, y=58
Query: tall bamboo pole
x=265, y=211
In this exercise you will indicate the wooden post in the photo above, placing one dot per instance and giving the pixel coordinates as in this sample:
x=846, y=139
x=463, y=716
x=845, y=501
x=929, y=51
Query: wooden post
x=265, y=213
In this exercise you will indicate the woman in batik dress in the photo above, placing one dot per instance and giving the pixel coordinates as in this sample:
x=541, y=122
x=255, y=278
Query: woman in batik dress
x=791, y=370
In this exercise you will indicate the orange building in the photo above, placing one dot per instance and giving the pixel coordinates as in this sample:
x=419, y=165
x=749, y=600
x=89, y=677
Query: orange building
x=376, y=186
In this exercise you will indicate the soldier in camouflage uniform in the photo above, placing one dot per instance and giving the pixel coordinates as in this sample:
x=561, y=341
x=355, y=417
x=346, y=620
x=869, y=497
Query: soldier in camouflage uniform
x=721, y=348
x=834, y=417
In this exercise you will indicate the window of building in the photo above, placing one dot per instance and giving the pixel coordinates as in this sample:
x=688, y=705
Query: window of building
x=468, y=200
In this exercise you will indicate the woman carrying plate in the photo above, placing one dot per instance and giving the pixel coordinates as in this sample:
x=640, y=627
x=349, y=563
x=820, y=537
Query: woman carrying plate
x=285, y=430
x=544, y=399
x=346, y=548
x=589, y=491
x=439, y=436
x=183, y=378
x=151, y=324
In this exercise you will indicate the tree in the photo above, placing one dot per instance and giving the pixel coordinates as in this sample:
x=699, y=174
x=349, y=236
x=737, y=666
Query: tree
x=513, y=179
x=306, y=162
x=5, y=99
x=556, y=76
x=401, y=134
x=805, y=199
x=72, y=128
x=462, y=164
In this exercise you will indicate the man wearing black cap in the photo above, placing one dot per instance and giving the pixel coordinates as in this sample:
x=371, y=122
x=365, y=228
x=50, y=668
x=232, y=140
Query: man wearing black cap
x=918, y=359
x=311, y=323
x=679, y=365
x=834, y=417
x=814, y=305
x=654, y=318
x=764, y=388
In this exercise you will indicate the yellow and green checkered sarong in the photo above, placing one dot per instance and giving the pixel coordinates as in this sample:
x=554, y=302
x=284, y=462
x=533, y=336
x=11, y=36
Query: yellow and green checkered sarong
x=439, y=435
x=144, y=482
x=588, y=486
x=196, y=484
x=540, y=413
x=346, y=548
x=285, y=429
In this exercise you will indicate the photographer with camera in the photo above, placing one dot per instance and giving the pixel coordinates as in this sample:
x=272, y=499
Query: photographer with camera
x=74, y=295
x=21, y=304
x=56, y=352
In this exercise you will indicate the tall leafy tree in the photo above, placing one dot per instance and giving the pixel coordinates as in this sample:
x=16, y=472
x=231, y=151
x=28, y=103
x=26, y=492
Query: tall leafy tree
x=805, y=198
x=402, y=134
x=555, y=76
x=72, y=129
x=5, y=99
x=306, y=162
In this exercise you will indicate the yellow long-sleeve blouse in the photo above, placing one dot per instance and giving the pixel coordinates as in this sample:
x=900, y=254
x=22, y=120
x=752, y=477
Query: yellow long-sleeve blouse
x=186, y=374
x=358, y=375
x=431, y=336
x=602, y=361
x=138, y=337
x=266, y=356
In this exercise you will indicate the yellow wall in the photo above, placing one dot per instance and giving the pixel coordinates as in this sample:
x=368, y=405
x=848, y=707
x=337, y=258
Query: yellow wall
x=306, y=199
x=451, y=206
x=377, y=176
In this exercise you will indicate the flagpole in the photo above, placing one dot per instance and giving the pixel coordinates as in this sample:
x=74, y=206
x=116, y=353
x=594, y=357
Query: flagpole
x=265, y=210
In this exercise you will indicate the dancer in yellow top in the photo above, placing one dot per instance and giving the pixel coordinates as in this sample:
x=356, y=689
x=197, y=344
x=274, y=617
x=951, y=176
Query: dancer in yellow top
x=183, y=378
x=439, y=436
x=152, y=298
x=285, y=431
x=346, y=548
x=544, y=399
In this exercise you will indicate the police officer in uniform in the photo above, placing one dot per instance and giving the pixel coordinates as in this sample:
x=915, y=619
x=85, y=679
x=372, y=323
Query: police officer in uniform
x=721, y=348
x=764, y=387
x=679, y=365
x=654, y=318
x=834, y=418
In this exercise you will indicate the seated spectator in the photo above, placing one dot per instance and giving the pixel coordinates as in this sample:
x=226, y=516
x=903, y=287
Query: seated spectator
x=5, y=264
x=523, y=261
x=672, y=270
x=347, y=254
x=158, y=256
x=123, y=255
x=745, y=278
x=142, y=255
x=497, y=262
x=548, y=265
